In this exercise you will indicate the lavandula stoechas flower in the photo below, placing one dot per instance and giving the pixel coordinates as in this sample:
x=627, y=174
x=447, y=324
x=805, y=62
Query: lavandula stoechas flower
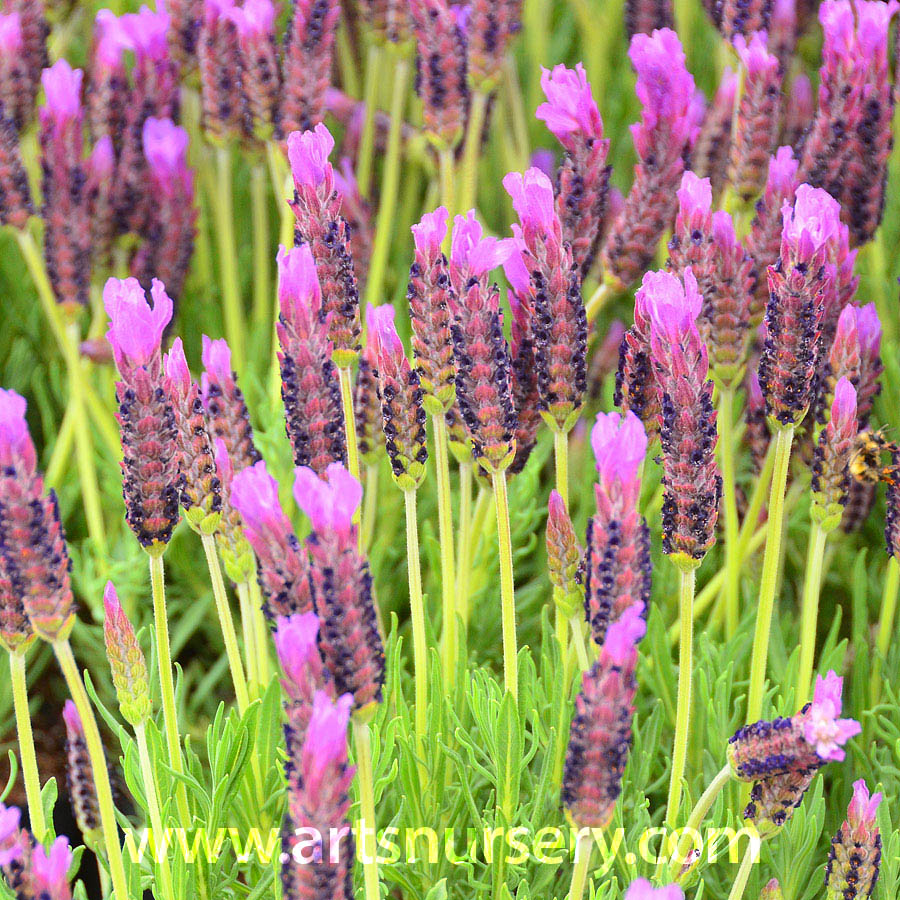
x=185, y=17
x=692, y=485
x=428, y=294
x=799, y=283
x=225, y=114
x=635, y=381
x=617, y=557
x=317, y=207
x=100, y=190
x=600, y=736
x=306, y=63
x=799, y=108
x=309, y=384
x=709, y=157
x=441, y=75
x=563, y=555
x=108, y=94
x=199, y=488
x=646, y=16
x=758, y=115
x=782, y=30
x=757, y=435
x=358, y=213
x=48, y=871
x=226, y=410
x=605, y=358
x=80, y=776
x=854, y=861
x=402, y=410
x=490, y=26
x=663, y=140
x=736, y=17
x=260, y=73
x=800, y=744
x=15, y=194
x=32, y=543
x=16, y=635
x=32, y=54
x=705, y=242
x=342, y=584
x=231, y=541
x=171, y=221
x=862, y=345
x=366, y=405
x=483, y=364
x=831, y=459
x=282, y=564
x=559, y=324
x=67, y=229
x=318, y=804
x=764, y=239
x=582, y=187
x=146, y=416
x=15, y=95
x=126, y=660
x=773, y=800
x=848, y=145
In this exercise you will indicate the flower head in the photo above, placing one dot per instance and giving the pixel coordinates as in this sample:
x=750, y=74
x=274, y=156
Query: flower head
x=664, y=85
x=298, y=282
x=812, y=222
x=673, y=306
x=147, y=32
x=330, y=502
x=165, y=146
x=254, y=494
x=429, y=234
x=255, y=18
x=136, y=329
x=308, y=153
x=862, y=806
x=470, y=252
x=216, y=357
x=15, y=439
x=532, y=199
x=570, y=107
x=381, y=320
x=620, y=445
x=823, y=729
x=296, y=640
x=62, y=88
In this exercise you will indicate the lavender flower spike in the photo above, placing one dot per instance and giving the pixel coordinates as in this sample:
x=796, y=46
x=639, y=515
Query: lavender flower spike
x=854, y=860
x=831, y=459
x=126, y=660
x=80, y=776
x=260, y=73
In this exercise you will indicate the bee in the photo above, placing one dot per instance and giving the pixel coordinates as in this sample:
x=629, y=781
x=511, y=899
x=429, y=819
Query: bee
x=865, y=463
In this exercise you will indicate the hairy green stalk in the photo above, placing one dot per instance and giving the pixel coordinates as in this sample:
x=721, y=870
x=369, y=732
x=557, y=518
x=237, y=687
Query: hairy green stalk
x=515, y=106
x=885, y=624
x=601, y=296
x=26, y=745
x=740, y=882
x=366, y=153
x=584, y=848
x=468, y=190
x=363, y=743
x=417, y=617
x=370, y=512
x=261, y=630
x=783, y=440
x=445, y=531
x=463, y=548
x=67, y=664
x=446, y=169
x=507, y=588
x=248, y=636
x=262, y=252
x=809, y=611
x=346, y=382
x=729, y=501
x=231, y=291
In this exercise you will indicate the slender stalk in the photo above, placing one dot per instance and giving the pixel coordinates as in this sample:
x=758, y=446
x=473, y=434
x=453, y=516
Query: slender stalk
x=346, y=56
x=385, y=224
x=463, y=551
x=417, y=616
x=683, y=709
x=732, y=525
x=740, y=882
x=227, y=624
x=262, y=633
x=62, y=449
x=584, y=847
x=367, y=138
x=152, y=794
x=516, y=109
x=601, y=296
x=248, y=636
x=507, y=588
x=561, y=458
x=468, y=191
x=363, y=741
x=698, y=814
x=346, y=383
x=445, y=531
x=26, y=746
x=757, y=498
x=166, y=683
x=809, y=611
x=885, y=624
x=783, y=439
x=262, y=253
x=371, y=505
x=581, y=652
x=67, y=664
x=231, y=290
x=448, y=188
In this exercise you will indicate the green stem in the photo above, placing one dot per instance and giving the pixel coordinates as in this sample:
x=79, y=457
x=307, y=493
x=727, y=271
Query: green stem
x=885, y=623
x=601, y=296
x=581, y=652
x=385, y=224
x=468, y=192
x=231, y=290
x=371, y=505
x=152, y=795
x=463, y=552
x=740, y=882
x=227, y=624
x=363, y=742
x=783, y=439
x=757, y=498
x=809, y=613
x=507, y=588
x=561, y=458
x=346, y=383
x=445, y=530
x=448, y=189
x=346, y=58
x=248, y=636
x=367, y=139
x=262, y=633
x=516, y=109
x=262, y=254
x=26, y=745
x=63, y=651
x=732, y=524
x=62, y=448
x=417, y=617
x=683, y=709
x=166, y=683
x=583, y=851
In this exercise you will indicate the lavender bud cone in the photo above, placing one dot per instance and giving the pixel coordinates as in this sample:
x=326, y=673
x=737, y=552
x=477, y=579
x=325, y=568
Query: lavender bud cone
x=260, y=72
x=617, y=571
x=306, y=63
x=773, y=801
x=80, y=776
x=185, y=18
x=150, y=476
x=16, y=98
x=342, y=584
x=32, y=52
x=231, y=540
x=402, y=411
x=490, y=27
x=799, y=108
x=758, y=119
x=798, y=284
x=709, y=158
x=358, y=213
x=635, y=382
x=742, y=17
x=227, y=415
x=663, y=140
x=483, y=364
x=691, y=480
x=309, y=385
x=101, y=200
x=831, y=460
x=317, y=207
x=126, y=660
x=67, y=231
x=16, y=635
x=318, y=803
x=282, y=563
x=441, y=72
x=563, y=554
x=854, y=861
x=646, y=16
x=855, y=354
x=605, y=360
x=782, y=36
x=600, y=736
x=108, y=94
x=525, y=391
x=367, y=406
x=224, y=110
x=429, y=296
x=15, y=195
x=861, y=497
x=892, y=514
